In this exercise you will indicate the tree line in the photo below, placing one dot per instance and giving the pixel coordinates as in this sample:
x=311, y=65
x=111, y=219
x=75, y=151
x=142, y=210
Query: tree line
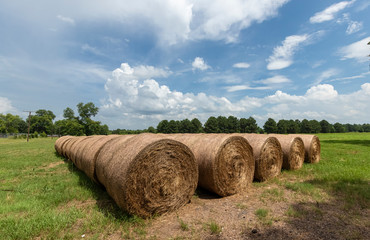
x=231, y=124
x=82, y=124
x=42, y=122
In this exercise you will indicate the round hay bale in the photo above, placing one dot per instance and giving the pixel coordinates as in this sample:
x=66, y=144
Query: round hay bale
x=293, y=151
x=68, y=147
x=86, y=160
x=225, y=162
x=268, y=155
x=74, y=148
x=312, y=147
x=59, y=142
x=65, y=146
x=147, y=174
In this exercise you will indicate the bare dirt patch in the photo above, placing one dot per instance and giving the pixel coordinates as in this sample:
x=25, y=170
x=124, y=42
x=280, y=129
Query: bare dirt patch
x=289, y=215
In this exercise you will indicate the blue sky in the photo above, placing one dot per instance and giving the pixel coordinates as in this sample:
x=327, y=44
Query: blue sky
x=144, y=61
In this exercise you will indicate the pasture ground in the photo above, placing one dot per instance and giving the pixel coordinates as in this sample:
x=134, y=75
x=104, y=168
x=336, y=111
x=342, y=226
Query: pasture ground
x=43, y=196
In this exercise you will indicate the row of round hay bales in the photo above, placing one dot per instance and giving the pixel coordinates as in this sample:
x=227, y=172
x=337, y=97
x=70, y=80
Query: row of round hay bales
x=150, y=174
x=145, y=174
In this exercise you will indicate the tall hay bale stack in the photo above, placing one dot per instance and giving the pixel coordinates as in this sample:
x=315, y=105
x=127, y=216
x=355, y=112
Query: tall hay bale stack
x=312, y=147
x=268, y=155
x=225, y=162
x=88, y=153
x=293, y=151
x=148, y=174
x=59, y=143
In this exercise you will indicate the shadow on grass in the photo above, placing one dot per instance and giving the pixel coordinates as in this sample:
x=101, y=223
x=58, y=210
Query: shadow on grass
x=365, y=143
x=308, y=220
x=104, y=202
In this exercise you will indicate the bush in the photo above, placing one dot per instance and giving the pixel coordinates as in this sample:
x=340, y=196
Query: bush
x=43, y=135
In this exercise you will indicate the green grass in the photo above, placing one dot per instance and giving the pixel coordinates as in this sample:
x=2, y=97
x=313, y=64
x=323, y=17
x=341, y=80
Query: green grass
x=43, y=196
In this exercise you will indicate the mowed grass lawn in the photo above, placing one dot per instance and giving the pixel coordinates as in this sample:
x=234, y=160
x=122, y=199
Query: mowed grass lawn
x=44, y=197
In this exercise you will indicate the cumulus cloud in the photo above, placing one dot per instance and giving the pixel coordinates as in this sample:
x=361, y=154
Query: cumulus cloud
x=6, y=106
x=358, y=50
x=275, y=80
x=329, y=13
x=137, y=101
x=199, y=63
x=241, y=65
x=283, y=55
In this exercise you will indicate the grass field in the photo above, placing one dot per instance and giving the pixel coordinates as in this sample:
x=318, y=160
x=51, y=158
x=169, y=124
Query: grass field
x=45, y=197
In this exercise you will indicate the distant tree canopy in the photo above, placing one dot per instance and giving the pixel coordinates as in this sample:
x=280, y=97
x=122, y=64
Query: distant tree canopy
x=82, y=124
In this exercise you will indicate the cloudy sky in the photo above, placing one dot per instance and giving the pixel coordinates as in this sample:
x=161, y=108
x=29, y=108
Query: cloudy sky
x=144, y=61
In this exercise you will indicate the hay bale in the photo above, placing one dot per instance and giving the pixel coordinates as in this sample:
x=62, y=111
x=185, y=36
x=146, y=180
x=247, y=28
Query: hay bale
x=312, y=147
x=225, y=162
x=88, y=153
x=268, y=155
x=293, y=151
x=68, y=147
x=147, y=174
x=59, y=143
x=65, y=146
x=74, y=148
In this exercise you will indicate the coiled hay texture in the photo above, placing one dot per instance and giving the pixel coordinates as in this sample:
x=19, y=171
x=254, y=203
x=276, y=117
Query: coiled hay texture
x=293, y=151
x=65, y=146
x=87, y=154
x=59, y=143
x=147, y=174
x=73, y=148
x=225, y=162
x=312, y=147
x=268, y=155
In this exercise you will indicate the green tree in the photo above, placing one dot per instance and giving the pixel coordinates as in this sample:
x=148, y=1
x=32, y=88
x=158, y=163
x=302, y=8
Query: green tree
x=69, y=114
x=315, y=126
x=86, y=111
x=185, y=126
x=10, y=123
x=292, y=127
x=233, y=125
x=211, y=125
x=325, y=126
x=173, y=126
x=42, y=121
x=270, y=126
x=282, y=126
x=69, y=127
x=305, y=126
x=222, y=124
x=196, y=126
x=162, y=126
x=339, y=128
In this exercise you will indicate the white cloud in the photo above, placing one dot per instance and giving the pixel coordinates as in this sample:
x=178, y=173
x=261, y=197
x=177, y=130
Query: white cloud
x=137, y=102
x=283, y=55
x=66, y=19
x=326, y=75
x=241, y=65
x=223, y=20
x=199, y=63
x=358, y=50
x=354, y=27
x=6, y=106
x=328, y=13
x=278, y=79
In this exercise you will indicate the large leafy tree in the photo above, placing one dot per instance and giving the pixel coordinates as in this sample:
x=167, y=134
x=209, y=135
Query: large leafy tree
x=197, y=126
x=233, y=125
x=10, y=123
x=211, y=125
x=42, y=121
x=270, y=126
x=162, y=126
